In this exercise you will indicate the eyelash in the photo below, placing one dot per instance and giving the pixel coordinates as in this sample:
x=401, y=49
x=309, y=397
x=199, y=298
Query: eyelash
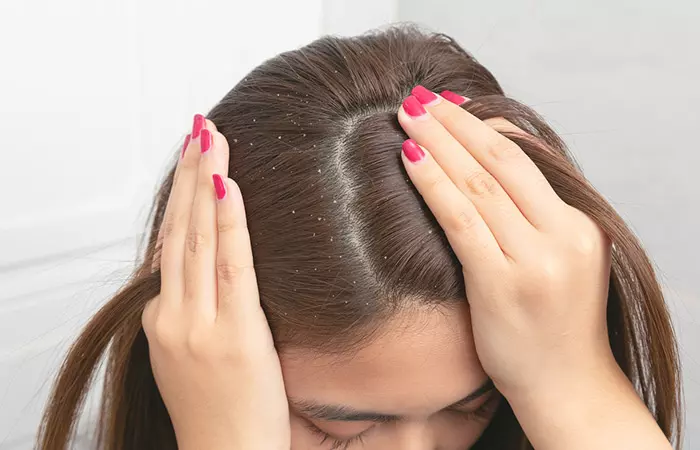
x=483, y=412
x=336, y=444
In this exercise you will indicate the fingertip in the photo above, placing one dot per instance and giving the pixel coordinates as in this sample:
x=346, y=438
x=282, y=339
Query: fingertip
x=413, y=108
x=453, y=98
x=219, y=186
x=227, y=189
x=211, y=125
x=412, y=151
x=234, y=191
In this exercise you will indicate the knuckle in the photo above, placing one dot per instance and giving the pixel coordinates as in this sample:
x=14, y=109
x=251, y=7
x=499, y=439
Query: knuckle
x=164, y=333
x=227, y=226
x=436, y=183
x=465, y=221
x=588, y=243
x=167, y=227
x=147, y=316
x=503, y=125
x=481, y=184
x=198, y=343
x=502, y=148
x=231, y=273
x=195, y=240
x=541, y=276
x=587, y=238
x=550, y=268
x=585, y=244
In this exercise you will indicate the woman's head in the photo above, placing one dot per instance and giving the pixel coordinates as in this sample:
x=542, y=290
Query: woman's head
x=363, y=294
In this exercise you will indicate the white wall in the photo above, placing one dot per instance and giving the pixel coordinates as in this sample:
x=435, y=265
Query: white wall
x=619, y=81
x=94, y=98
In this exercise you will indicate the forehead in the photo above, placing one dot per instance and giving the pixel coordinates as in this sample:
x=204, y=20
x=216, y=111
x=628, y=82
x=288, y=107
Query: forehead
x=422, y=361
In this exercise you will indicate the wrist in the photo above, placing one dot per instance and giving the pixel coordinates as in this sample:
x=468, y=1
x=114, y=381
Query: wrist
x=585, y=410
x=234, y=438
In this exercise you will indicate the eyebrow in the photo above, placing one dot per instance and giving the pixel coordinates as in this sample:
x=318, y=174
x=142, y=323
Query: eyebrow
x=343, y=413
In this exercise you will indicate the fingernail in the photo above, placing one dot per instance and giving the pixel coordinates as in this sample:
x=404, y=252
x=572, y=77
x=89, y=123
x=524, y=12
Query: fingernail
x=413, y=107
x=412, y=150
x=205, y=141
x=425, y=96
x=197, y=125
x=184, y=146
x=454, y=98
x=219, y=186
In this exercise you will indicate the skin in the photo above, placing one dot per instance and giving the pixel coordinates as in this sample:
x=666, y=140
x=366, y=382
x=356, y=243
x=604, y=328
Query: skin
x=423, y=363
x=537, y=272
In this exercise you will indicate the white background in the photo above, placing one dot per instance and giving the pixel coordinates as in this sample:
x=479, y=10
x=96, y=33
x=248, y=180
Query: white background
x=96, y=94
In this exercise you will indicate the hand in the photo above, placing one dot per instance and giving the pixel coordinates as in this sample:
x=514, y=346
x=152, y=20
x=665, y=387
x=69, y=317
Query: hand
x=210, y=346
x=536, y=274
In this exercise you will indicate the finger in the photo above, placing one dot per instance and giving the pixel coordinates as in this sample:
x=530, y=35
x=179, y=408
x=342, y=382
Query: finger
x=506, y=222
x=177, y=217
x=155, y=262
x=469, y=236
x=211, y=126
x=519, y=176
x=201, y=241
x=148, y=315
x=237, y=285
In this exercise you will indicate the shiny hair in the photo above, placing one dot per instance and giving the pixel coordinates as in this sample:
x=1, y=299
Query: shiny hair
x=342, y=240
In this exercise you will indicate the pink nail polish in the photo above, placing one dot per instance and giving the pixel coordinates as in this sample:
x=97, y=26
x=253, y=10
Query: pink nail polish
x=206, y=140
x=219, y=186
x=423, y=95
x=184, y=146
x=413, y=107
x=454, y=98
x=197, y=125
x=412, y=150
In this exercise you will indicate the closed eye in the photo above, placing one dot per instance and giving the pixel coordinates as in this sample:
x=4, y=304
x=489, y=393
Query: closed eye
x=484, y=412
x=336, y=443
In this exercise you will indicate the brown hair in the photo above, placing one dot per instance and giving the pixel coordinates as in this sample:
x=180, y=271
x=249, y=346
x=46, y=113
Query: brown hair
x=340, y=236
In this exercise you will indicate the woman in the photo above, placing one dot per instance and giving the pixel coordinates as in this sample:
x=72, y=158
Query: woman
x=366, y=228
